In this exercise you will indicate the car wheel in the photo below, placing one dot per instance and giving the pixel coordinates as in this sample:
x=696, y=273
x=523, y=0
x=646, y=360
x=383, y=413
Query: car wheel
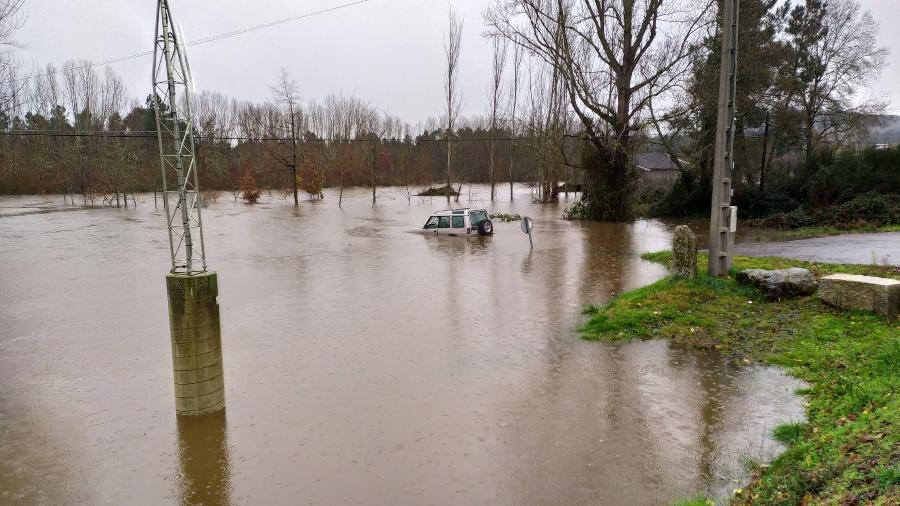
x=486, y=227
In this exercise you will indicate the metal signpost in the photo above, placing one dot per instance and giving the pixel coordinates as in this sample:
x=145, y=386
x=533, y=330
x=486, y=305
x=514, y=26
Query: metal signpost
x=723, y=217
x=527, y=226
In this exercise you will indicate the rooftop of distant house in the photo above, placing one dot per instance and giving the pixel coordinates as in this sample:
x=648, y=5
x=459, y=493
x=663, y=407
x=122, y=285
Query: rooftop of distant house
x=654, y=161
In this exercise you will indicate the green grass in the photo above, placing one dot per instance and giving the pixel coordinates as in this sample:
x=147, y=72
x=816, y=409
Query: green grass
x=819, y=269
x=699, y=501
x=848, y=450
x=789, y=434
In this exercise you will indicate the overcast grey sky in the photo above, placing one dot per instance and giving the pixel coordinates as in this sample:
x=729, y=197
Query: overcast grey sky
x=388, y=52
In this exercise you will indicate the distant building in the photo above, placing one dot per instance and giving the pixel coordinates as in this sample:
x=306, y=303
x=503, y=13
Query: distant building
x=656, y=169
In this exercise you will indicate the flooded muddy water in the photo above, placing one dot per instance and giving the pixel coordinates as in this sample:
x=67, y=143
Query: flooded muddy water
x=363, y=364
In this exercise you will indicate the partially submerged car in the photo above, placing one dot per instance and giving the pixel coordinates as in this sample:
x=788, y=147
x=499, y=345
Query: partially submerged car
x=459, y=222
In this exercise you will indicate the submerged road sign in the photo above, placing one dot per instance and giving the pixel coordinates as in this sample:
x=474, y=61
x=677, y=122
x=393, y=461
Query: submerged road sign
x=527, y=227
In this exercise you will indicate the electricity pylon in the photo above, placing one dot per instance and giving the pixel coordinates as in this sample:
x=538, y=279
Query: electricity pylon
x=174, y=125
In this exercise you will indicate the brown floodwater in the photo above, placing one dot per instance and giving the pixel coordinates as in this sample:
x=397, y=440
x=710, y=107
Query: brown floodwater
x=364, y=364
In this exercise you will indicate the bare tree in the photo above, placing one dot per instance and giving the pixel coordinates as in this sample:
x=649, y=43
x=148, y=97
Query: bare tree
x=614, y=57
x=452, y=46
x=373, y=129
x=10, y=83
x=82, y=89
x=113, y=97
x=213, y=115
x=287, y=127
x=498, y=63
x=518, y=53
x=546, y=123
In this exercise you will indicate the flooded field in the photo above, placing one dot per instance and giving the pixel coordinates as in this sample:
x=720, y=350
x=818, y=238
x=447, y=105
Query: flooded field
x=363, y=364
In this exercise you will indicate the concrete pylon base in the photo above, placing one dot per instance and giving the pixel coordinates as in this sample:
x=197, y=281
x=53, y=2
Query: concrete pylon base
x=196, y=343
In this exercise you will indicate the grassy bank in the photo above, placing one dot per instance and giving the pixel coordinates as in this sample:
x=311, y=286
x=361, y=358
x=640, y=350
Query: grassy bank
x=848, y=451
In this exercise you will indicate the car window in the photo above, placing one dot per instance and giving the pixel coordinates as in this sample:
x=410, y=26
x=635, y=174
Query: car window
x=432, y=222
x=477, y=217
x=444, y=222
x=459, y=222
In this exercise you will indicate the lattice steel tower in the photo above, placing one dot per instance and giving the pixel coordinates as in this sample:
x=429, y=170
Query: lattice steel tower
x=174, y=125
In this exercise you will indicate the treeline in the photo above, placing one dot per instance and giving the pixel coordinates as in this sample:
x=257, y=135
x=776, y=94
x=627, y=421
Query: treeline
x=342, y=141
x=74, y=130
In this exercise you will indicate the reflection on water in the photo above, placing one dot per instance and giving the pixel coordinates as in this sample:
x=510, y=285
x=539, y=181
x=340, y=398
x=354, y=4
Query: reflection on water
x=366, y=364
x=204, y=465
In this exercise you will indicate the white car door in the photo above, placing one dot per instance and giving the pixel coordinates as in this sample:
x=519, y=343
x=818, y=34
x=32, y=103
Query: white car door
x=444, y=225
x=431, y=226
x=458, y=225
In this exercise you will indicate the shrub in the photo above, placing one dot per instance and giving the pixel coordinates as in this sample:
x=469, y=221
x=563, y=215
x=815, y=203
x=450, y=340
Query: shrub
x=249, y=192
x=311, y=182
x=211, y=196
x=869, y=209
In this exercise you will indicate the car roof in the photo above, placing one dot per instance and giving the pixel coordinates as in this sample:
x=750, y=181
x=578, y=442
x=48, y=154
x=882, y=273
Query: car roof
x=460, y=211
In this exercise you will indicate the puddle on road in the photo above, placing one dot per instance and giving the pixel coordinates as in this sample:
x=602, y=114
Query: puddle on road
x=383, y=368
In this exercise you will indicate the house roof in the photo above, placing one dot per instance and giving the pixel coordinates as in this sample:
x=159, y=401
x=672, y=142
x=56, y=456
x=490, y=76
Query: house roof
x=654, y=161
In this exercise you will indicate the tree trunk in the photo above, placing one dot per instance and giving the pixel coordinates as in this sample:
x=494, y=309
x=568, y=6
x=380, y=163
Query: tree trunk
x=374, y=147
x=294, y=180
x=765, y=149
x=449, y=182
x=512, y=155
x=810, y=134
x=491, y=169
x=341, y=193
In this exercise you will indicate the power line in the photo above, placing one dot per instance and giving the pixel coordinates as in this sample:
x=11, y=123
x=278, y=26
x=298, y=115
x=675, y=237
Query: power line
x=272, y=23
x=150, y=134
x=204, y=40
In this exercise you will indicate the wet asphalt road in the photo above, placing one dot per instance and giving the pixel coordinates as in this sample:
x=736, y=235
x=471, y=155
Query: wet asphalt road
x=880, y=248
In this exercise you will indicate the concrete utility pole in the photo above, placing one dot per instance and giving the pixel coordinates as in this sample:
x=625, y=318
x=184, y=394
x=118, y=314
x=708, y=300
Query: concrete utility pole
x=192, y=290
x=722, y=215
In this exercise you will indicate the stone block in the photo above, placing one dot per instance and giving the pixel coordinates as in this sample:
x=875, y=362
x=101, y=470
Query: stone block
x=780, y=284
x=684, y=252
x=867, y=293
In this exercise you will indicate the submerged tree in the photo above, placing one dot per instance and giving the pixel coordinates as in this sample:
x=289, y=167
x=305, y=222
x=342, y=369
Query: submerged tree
x=249, y=192
x=515, y=81
x=498, y=63
x=451, y=91
x=285, y=127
